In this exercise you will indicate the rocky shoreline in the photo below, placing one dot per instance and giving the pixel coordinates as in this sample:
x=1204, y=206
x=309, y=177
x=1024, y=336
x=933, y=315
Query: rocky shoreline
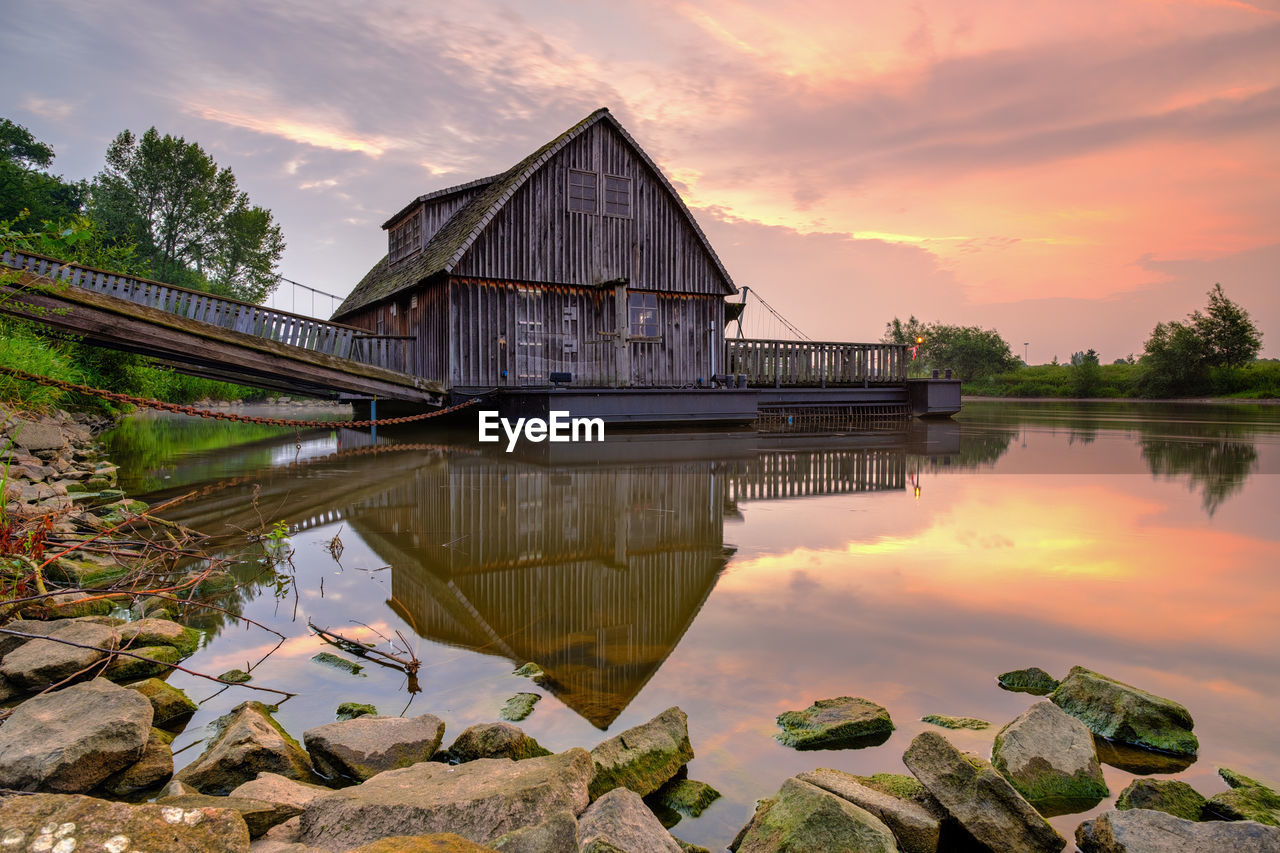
x=86, y=762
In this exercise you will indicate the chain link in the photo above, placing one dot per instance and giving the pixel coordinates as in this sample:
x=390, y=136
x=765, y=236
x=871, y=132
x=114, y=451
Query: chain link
x=177, y=408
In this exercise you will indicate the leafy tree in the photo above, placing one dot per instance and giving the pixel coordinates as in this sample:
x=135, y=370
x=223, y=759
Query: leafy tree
x=1086, y=374
x=187, y=215
x=969, y=351
x=25, y=184
x=1230, y=337
x=1179, y=358
x=898, y=332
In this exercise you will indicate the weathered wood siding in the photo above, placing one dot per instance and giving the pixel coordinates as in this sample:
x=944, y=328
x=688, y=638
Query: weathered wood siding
x=536, y=238
x=509, y=334
x=433, y=214
x=428, y=353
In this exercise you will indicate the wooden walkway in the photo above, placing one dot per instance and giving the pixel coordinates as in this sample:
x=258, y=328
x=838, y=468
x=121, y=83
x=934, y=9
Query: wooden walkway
x=209, y=335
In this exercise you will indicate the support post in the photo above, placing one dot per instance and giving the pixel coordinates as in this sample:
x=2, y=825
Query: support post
x=373, y=416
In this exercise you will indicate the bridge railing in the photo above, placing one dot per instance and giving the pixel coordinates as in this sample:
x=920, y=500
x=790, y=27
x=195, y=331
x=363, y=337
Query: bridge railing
x=336, y=339
x=782, y=364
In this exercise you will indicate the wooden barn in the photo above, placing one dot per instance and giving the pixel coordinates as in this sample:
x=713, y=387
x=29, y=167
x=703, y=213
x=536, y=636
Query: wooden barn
x=580, y=264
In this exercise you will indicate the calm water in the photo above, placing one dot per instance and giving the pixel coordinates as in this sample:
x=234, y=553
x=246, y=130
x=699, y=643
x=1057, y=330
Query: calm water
x=738, y=577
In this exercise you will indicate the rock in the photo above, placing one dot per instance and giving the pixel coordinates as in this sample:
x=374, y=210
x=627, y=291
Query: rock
x=351, y=710
x=1163, y=795
x=1148, y=831
x=979, y=798
x=915, y=828
x=88, y=824
x=39, y=663
x=904, y=787
x=258, y=815
x=7, y=690
x=160, y=632
x=686, y=796
x=236, y=676
x=336, y=662
x=170, y=705
x=845, y=722
x=85, y=570
x=955, y=722
x=530, y=670
x=174, y=788
x=1121, y=712
x=518, y=707
x=151, y=661
x=643, y=758
x=802, y=818
x=495, y=740
x=248, y=742
x=1248, y=799
x=67, y=605
x=557, y=834
x=36, y=435
x=154, y=767
x=1033, y=680
x=620, y=821
x=691, y=848
x=9, y=642
x=366, y=746
x=480, y=800
x=274, y=788
x=436, y=842
x=73, y=739
x=1048, y=756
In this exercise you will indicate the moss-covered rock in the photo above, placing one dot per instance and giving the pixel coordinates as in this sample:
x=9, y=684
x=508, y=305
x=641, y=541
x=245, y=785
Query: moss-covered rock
x=845, y=722
x=686, y=796
x=529, y=670
x=955, y=722
x=1125, y=713
x=1048, y=756
x=1248, y=799
x=236, y=676
x=518, y=707
x=338, y=662
x=153, y=660
x=495, y=740
x=171, y=705
x=351, y=710
x=1163, y=795
x=643, y=758
x=803, y=817
x=1033, y=680
x=84, y=570
x=248, y=741
x=152, y=631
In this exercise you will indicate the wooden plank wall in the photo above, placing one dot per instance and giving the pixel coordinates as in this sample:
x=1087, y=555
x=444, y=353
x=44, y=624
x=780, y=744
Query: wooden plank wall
x=428, y=353
x=536, y=238
x=523, y=329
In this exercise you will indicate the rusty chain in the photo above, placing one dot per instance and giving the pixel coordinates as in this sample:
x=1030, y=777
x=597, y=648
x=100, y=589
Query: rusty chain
x=177, y=408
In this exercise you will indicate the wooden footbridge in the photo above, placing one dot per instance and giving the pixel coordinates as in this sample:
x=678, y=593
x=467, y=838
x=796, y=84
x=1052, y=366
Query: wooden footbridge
x=208, y=335
x=784, y=386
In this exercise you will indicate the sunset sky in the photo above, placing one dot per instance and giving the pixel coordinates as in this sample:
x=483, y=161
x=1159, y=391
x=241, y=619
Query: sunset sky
x=1068, y=173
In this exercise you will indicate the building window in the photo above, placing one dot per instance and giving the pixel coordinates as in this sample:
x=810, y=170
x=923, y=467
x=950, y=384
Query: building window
x=405, y=237
x=582, y=191
x=413, y=301
x=617, y=196
x=642, y=310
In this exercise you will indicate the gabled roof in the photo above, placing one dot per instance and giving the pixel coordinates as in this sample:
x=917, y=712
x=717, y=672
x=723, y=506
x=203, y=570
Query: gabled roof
x=451, y=242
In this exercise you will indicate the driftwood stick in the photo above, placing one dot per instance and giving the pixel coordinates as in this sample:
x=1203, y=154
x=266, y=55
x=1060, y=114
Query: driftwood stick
x=410, y=665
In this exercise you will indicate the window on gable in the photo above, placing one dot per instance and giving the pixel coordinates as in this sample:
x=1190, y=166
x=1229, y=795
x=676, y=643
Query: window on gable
x=582, y=191
x=642, y=311
x=405, y=237
x=617, y=196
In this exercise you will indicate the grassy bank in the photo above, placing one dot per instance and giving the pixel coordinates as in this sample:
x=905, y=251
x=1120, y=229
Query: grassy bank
x=1257, y=381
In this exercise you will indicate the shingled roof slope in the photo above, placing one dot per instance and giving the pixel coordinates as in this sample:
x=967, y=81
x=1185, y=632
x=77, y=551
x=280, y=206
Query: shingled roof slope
x=450, y=243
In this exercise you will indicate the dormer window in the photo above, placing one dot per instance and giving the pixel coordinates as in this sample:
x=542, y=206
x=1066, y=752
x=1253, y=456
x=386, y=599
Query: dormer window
x=405, y=237
x=582, y=191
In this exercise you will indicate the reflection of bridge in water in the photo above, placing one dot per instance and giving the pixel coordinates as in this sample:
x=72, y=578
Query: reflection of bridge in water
x=592, y=570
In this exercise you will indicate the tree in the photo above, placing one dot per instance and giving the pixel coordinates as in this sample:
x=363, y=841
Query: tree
x=1086, y=374
x=969, y=351
x=1178, y=357
x=25, y=185
x=187, y=215
x=1230, y=337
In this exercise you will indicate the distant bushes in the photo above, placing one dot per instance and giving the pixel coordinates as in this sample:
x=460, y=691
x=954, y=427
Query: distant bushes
x=1258, y=380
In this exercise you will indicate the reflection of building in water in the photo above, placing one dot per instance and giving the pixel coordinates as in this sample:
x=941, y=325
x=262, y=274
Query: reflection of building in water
x=592, y=572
